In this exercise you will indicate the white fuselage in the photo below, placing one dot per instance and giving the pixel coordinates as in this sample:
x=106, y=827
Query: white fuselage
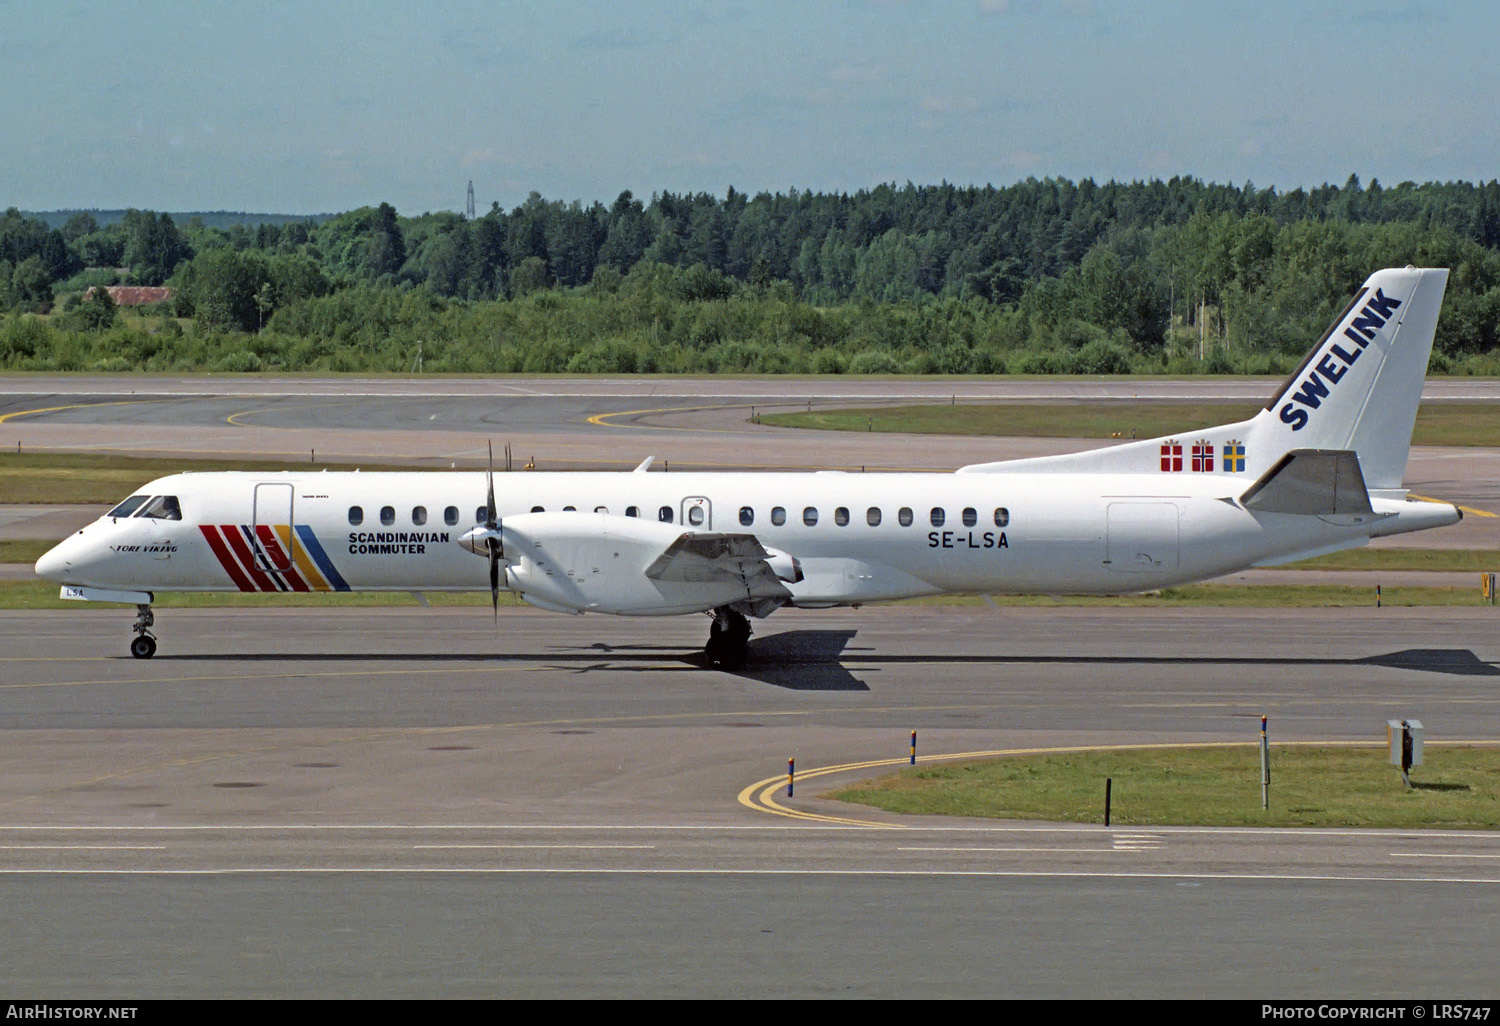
x=868, y=537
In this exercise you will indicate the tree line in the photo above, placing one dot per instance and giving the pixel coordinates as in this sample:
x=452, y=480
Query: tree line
x=1043, y=276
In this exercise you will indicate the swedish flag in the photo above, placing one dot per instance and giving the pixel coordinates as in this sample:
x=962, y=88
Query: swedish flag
x=1234, y=457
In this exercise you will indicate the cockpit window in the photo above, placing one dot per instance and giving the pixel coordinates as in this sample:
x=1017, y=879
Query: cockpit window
x=162, y=507
x=127, y=507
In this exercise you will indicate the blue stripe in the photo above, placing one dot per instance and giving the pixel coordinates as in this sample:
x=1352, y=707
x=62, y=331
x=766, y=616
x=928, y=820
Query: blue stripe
x=315, y=550
x=257, y=553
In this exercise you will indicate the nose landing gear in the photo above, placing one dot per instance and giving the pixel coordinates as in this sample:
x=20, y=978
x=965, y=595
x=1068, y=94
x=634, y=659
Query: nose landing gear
x=144, y=645
x=728, y=637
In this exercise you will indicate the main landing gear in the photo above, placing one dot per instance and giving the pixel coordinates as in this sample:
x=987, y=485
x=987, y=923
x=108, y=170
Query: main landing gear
x=144, y=645
x=728, y=637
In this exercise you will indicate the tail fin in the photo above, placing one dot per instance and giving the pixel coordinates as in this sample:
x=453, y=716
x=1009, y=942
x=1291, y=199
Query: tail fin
x=1359, y=387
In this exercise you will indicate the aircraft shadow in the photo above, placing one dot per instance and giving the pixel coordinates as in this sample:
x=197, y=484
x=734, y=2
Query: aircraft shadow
x=815, y=660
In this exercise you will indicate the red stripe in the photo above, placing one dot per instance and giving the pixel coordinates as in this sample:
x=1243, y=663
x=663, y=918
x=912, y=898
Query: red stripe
x=237, y=545
x=225, y=559
x=280, y=557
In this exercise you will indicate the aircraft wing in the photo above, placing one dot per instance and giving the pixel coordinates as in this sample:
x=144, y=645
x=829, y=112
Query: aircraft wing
x=706, y=557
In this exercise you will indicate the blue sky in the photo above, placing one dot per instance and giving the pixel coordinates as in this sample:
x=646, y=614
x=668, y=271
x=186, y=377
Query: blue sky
x=319, y=106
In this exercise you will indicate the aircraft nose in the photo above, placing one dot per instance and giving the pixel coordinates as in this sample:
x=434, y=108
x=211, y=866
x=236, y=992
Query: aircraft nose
x=55, y=565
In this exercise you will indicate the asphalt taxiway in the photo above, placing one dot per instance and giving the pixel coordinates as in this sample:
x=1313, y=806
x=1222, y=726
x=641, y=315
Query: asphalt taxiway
x=564, y=806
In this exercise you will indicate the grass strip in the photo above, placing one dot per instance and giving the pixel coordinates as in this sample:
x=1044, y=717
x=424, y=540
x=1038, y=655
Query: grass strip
x=1476, y=424
x=1311, y=786
x=77, y=478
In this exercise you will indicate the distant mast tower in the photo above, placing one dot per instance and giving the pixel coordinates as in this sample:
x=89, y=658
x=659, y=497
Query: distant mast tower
x=470, y=208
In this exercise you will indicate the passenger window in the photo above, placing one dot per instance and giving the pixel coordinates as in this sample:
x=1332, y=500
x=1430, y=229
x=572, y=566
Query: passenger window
x=664, y=514
x=163, y=507
x=419, y=515
x=1002, y=517
x=938, y=516
x=570, y=509
x=970, y=516
x=904, y=516
x=695, y=516
x=601, y=509
x=778, y=516
x=356, y=515
x=481, y=514
x=810, y=516
x=450, y=515
x=129, y=506
x=632, y=511
x=872, y=516
x=747, y=516
x=841, y=516
x=539, y=509
x=387, y=515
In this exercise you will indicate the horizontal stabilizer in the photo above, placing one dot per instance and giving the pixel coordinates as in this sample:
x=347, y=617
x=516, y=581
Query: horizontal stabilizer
x=1311, y=482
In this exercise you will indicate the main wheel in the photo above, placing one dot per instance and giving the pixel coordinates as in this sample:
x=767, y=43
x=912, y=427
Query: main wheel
x=724, y=654
x=728, y=635
x=143, y=647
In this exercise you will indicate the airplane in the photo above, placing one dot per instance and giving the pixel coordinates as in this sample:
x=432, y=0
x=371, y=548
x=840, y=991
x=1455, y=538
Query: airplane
x=1317, y=470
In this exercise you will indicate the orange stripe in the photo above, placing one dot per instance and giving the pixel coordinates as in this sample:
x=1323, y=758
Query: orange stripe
x=300, y=557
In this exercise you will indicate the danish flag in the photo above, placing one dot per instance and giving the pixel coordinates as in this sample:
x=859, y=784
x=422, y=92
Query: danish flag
x=1171, y=455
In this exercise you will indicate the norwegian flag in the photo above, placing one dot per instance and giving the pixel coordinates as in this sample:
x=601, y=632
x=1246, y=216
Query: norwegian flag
x=1171, y=455
x=1203, y=456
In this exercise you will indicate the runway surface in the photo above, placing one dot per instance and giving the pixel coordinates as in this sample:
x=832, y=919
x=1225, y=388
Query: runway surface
x=415, y=802
x=574, y=806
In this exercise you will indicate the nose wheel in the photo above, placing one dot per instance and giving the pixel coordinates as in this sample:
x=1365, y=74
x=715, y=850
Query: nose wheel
x=144, y=644
x=728, y=638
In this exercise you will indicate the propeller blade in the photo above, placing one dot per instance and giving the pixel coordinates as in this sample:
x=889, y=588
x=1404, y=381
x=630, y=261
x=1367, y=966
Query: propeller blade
x=492, y=521
x=495, y=578
x=490, y=515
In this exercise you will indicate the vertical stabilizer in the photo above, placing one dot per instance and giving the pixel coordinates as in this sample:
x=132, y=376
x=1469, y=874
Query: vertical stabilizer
x=1358, y=390
x=1359, y=387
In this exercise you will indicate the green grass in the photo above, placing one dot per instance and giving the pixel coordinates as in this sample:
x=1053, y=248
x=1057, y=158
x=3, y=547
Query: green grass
x=1446, y=560
x=38, y=594
x=1205, y=786
x=1437, y=423
x=71, y=478
x=26, y=550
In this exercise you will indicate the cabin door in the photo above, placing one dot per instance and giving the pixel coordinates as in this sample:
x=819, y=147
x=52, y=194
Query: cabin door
x=271, y=525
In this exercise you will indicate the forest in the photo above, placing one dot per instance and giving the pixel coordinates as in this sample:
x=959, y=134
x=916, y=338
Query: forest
x=1041, y=277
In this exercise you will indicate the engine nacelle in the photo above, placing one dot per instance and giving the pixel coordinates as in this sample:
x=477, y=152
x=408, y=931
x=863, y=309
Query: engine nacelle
x=785, y=566
x=596, y=563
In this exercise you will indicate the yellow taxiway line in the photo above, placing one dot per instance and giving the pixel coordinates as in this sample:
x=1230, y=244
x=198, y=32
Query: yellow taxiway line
x=1466, y=509
x=76, y=406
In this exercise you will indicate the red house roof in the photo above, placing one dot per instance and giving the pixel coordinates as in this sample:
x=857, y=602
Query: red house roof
x=135, y=295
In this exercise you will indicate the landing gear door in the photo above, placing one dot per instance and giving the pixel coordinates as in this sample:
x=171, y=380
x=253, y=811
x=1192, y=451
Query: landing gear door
x=697, y=513
x=271, y=527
